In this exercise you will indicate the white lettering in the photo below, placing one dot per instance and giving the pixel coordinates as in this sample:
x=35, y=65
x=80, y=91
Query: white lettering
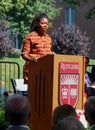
x=69, y=66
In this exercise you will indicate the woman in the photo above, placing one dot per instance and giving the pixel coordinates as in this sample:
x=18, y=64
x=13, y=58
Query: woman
x=37, y=43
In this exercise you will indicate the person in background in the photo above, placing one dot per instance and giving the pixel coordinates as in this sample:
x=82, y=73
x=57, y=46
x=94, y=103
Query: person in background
x=89, y=111
x=62, y=111
x=87, y=74
x=69, y=123
x=91, y=89
x=93, y=74
x=17, y=112
x=87, y=79
x=37, y=43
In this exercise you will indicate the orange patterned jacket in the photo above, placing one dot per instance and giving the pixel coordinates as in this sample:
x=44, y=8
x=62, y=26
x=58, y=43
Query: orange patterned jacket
x=36, y=46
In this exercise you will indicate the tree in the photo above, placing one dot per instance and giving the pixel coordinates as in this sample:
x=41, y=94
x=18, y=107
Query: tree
x=91, y=11
x=19, y=13
x=68, y=39
x=5, y=43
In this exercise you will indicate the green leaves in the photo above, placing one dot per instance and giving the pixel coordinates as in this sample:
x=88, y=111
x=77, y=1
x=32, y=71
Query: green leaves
x=5, y=43
x=3, y=123
x=90, y=13
x=20, y=13
x=73, y=2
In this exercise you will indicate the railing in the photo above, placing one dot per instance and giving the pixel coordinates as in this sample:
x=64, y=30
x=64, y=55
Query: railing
x=8, y=70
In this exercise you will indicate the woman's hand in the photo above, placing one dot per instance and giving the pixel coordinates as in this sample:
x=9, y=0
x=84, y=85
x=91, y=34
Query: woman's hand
x=33, y=59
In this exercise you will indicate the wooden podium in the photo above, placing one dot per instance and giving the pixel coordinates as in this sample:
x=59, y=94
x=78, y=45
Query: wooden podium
x=46, y=77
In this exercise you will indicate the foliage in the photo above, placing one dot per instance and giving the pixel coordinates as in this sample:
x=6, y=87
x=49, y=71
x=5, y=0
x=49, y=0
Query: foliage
x=91, y=11
x=19, y=14
x=2, y=100
x=5, y=43
x=3, y=123
x=14, y=54
x=68, y=39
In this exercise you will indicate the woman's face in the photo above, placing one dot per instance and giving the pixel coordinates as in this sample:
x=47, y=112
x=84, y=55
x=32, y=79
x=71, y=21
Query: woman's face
x=43, y=25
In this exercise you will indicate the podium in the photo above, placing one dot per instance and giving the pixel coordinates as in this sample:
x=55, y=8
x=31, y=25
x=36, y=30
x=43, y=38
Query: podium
x=54, y=80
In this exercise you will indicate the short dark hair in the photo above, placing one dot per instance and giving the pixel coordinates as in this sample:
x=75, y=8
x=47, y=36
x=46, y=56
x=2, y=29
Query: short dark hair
x=62, y=111
x=17, y=108
x=69, y=123
x=89, y=108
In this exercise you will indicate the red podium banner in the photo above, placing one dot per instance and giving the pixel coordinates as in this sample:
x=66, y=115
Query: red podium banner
x=68, y=83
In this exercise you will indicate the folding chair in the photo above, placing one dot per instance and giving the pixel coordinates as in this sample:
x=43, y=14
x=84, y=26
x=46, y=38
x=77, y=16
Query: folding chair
x=19, y=87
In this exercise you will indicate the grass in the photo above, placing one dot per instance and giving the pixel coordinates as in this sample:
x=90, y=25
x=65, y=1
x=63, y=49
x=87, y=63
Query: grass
x=20, y=61
x=5, y=81
x=92, y=62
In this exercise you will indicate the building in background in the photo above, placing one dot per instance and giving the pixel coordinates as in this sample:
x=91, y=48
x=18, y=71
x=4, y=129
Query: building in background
x=76, y=15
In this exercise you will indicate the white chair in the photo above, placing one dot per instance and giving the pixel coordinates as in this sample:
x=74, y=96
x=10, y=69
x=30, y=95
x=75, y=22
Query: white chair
x=19, y=86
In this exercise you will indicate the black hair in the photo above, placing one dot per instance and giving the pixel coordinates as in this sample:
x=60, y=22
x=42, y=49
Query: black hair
x=36, y=20
x=17, y=114
x=69, y=123
x=62, y=111
x=89, y=108
x=93, y=74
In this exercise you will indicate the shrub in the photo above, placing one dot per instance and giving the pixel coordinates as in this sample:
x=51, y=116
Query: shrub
x=3, y=123
x=70, y=40
x=5, y=43
x=2, y=102
x=14, y=54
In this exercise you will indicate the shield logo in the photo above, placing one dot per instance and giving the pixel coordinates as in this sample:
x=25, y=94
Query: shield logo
x=68, y=83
